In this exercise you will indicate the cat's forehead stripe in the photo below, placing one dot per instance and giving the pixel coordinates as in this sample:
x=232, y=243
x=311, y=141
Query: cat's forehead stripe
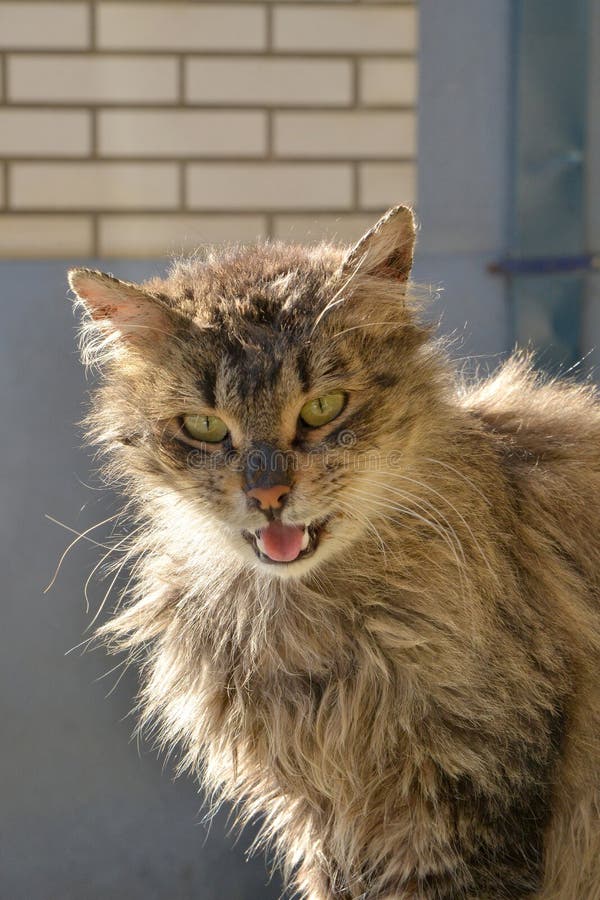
x=256, y=371
x=303, y=368
x=207, y=386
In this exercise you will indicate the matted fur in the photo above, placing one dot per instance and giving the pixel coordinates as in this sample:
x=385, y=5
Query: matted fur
x=415, y=710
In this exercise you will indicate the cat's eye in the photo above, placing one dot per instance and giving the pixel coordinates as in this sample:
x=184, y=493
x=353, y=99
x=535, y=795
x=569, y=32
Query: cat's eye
x=205, y=428
x=323, y=409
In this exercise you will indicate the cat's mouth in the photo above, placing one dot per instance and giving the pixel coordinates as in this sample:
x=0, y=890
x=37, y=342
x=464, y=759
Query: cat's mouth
x=280, y=544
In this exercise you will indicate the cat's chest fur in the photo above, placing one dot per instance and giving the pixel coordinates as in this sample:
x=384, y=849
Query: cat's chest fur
x=342, y=709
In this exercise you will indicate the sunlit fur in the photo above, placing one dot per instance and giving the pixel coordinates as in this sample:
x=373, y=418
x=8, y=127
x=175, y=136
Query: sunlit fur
x=414, y=710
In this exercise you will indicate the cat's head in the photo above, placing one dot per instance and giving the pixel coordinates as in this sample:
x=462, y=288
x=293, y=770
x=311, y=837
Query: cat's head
x=255, y=398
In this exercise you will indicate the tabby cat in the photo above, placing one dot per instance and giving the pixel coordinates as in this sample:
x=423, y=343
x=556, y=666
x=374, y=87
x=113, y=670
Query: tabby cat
x=366, y=596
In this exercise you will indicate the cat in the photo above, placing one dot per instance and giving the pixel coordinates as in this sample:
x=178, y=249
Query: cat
x=366, y=595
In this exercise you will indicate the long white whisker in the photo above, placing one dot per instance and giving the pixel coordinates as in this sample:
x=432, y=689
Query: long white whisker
x=378, y=469
x=80, y=644
x=451, y=505
x=80, y=536
x=363, y=520
x=106, y=595
x=424, y=505
x=410, y=512
x=99, y=563
x=126, y=663
x=460, y=474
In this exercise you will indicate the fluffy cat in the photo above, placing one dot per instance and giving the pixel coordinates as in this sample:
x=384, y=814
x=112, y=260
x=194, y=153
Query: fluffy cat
x=366, y=596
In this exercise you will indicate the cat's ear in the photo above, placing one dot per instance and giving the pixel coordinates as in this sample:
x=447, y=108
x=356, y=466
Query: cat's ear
x=119, y=314
x=118, y=305
x=387, y=249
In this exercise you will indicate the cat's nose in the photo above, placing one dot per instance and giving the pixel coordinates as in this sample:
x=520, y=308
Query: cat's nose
x=269, y=497
x=266, y=479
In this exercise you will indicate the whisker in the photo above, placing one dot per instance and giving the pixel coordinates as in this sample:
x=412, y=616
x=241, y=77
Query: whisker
x=460, y=474
x=132, y=574
x=80, y=536
x=90, y=487
x=423, y=504
x=451, y=505
x=396, y=474
x=126, y=663
x=363, y=520
x=106, y=595
x=410, y=512
x=81, y=644
x=97, y=566
x=437, y=529
x=110, y=671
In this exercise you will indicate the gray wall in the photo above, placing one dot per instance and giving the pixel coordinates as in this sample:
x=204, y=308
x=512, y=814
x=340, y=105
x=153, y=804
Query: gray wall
x=464, y=168
x=465, y=173
x=591, y=310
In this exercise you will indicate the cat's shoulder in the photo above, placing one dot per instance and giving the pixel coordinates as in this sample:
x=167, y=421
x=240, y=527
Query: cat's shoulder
x=542, y=417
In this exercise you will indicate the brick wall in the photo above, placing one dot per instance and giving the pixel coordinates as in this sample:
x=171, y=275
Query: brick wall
x=138, y=128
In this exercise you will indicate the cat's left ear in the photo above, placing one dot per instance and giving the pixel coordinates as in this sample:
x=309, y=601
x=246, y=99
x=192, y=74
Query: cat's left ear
x=387, y=249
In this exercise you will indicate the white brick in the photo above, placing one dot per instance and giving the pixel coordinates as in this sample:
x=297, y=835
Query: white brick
x=181, y=26
x=269, y=82
x=27, y=236
x=94, y=185
x=159, y=235
x=181, y=133
x=269, y=186
x=388, y=82
x=382, y=185
x=346, y=29
x=92, y=79
x=47, y=25
x=347, y=135
x=44, y=132
x=341, y=229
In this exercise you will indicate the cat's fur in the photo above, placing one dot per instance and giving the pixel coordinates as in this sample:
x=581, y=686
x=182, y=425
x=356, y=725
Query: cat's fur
x=415, y=709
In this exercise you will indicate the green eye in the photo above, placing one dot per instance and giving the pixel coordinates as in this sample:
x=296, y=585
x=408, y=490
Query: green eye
x=205, y=428
x=323, y=409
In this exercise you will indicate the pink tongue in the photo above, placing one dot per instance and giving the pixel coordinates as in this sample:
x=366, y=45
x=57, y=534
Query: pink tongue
x=282, y=543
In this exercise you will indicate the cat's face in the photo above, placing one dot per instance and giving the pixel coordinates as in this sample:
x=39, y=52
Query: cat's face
x=257, y=397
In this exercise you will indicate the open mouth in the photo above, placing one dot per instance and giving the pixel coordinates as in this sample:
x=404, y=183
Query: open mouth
x=279, y=543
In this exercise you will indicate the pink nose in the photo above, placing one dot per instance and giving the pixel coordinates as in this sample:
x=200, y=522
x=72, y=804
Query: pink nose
x=271, y=497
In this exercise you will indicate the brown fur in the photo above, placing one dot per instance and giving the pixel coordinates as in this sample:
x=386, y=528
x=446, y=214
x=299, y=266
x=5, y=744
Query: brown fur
x=415, y=709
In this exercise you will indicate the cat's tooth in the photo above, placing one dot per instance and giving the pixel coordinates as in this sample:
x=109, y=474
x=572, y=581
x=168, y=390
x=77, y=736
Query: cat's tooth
x=305, y=539
x=260, y=544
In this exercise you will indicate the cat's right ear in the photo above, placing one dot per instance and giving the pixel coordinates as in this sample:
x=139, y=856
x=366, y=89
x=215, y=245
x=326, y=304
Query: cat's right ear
x=118, y=315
